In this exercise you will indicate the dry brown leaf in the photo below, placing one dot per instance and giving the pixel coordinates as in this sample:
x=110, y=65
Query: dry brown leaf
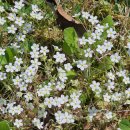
x=65, y=15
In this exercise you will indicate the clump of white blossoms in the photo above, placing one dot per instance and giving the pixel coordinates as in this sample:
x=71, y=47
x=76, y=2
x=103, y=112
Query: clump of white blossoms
x=63, y=118
x=36, y=12
x=45, y=85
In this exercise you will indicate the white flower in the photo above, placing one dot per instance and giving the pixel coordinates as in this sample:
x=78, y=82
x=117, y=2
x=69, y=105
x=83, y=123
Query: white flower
x=18, y=5
x=18, y=109
x=28, y=97
x=115, y=58
x=60, y=58
x=34, y=54
x=2, y=52
x=85, y=15
x=109, y=115
x=110, y=85
x=127, y=92
x=9, y=67
x=88, y=53
x=18, y=61
x=60, y=86
x=12, y=16
x=92, y=112
x=30, y=106
x=27, y=28
x=14, y=10
x=44, y=50
x=68, y=66
x=2, y=76
x=128, y=45
x=35, y=63
x=82, y=65
x=75, y=101
x=121, y=73
x=37, y=123
x=110, y=75
x=36, y=12
x=82, y=41
x=116, y=96
x=42, y=113
x=95, y=87
x=101, y=49
x=17, y=80
x=126, y=80
x=108, y=45
x=35, y=47
x=96, y=35
x=23, y=86
x=30, y=71
x=75, y=104
x=2, y=21
x=90, y=40
x=111, y=33
x=35, y=8
x=18, y=123
x=63, y=118
x=12, y=29
x=15, y=109
x=93, y=20
x=99, y=28
x=44, y=91
x=75, y=95
x=62, y=75
x=36, y=15
x=48, y=102
x=21, y=37
x=2, y=9
x=19, y=21
x=107, y=97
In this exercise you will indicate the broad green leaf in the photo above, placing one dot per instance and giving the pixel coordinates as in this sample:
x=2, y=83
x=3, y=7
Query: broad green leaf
x=4, y=125
x=124, y=124
x=3, y=60
x=70, y=45
x=8, y=57
x=108, y=20
x=71, y=74
x=70, y=35
x=10, y=53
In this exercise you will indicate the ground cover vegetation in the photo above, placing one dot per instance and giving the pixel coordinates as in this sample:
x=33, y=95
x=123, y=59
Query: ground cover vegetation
x=64, y=65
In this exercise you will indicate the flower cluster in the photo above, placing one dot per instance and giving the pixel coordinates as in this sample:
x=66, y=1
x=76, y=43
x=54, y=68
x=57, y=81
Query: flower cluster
x=63, y=118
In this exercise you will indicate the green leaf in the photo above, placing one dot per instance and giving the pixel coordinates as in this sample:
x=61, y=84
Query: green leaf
x=70, y=45
x=27, y=46
x=108, y=20
x=83, y=98
x=4, y=125
x=10, y=53
x=3, y=60
x=71, y=74
x=8, y=57
x=124, y=124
